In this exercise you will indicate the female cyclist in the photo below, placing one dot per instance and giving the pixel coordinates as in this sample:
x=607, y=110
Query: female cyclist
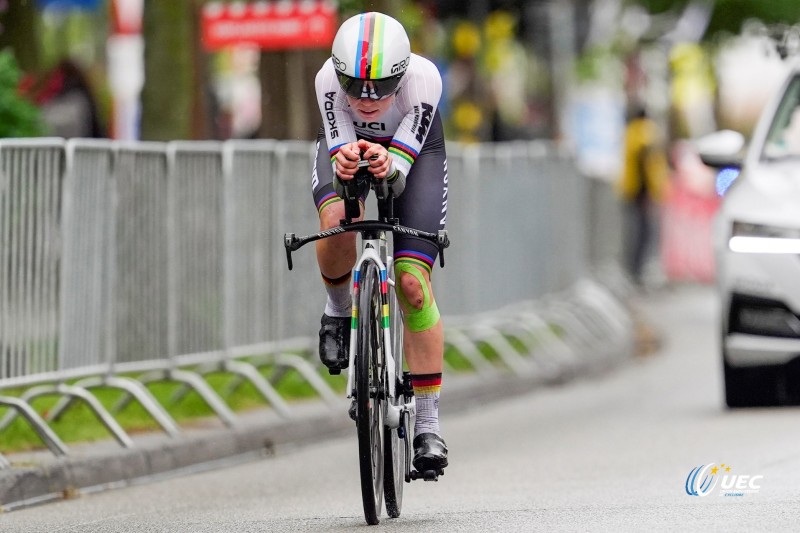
x=378, y=102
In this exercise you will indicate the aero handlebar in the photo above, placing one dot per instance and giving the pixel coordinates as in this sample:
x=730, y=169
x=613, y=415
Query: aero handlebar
x=352, y=191
x=292, y=243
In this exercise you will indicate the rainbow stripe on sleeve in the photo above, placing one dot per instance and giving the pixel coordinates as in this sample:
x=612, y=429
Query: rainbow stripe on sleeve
x=403, y=150
x=335, y=150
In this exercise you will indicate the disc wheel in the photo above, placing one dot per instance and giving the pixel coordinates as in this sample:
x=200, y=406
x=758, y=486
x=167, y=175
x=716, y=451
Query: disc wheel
x=395, y=447
x=369, y=411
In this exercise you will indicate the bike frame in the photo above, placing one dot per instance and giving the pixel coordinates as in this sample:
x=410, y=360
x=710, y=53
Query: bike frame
x=375, y=248
x=396, y=403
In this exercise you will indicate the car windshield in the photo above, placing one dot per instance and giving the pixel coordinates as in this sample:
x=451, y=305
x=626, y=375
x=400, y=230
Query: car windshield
x=783, y=139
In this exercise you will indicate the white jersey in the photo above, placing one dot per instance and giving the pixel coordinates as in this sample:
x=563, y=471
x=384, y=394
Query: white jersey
x=404, y=126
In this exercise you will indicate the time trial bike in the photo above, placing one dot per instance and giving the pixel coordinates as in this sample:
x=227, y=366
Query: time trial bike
x=383, y=404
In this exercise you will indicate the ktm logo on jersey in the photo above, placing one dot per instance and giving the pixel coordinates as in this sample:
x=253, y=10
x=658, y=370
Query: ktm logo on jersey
x=425, y=122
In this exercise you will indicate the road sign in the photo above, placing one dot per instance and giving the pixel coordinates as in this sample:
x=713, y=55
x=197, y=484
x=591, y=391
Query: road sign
x=269, y=25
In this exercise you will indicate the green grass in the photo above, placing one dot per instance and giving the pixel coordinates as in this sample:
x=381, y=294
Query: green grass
x=488, y=351
x=79, y=423
x=455, y=360
x=558, y=330
x=517, y=343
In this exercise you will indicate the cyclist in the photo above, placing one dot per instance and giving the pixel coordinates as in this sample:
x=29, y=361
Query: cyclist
x=378, y=102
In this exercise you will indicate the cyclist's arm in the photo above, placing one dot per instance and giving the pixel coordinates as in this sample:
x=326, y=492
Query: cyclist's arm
x=420, y=95
x=340, y=134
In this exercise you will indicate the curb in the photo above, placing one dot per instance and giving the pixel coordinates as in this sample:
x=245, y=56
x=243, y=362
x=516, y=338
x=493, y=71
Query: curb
x=102, y=466
x=40, y=477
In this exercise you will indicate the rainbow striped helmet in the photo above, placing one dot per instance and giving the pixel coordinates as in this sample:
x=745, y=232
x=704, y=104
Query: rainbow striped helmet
x=371, y=53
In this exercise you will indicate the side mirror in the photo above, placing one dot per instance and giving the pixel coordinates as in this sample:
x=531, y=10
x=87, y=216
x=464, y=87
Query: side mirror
x=722, y=149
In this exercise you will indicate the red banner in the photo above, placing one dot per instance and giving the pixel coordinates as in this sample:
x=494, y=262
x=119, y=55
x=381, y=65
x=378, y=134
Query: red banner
x=687, y=230
x=278, y=25
x=687, y=236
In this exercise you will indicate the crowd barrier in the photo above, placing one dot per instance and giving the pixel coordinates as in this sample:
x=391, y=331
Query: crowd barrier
x=166, y=260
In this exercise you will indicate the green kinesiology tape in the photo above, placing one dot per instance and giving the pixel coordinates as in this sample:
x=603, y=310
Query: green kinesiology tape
x=417, y=319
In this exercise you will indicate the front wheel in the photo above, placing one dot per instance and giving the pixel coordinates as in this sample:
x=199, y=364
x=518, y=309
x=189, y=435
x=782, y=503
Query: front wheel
x=369, y=366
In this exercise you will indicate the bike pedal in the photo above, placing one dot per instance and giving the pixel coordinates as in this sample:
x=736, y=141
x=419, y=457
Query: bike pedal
x=427, y=475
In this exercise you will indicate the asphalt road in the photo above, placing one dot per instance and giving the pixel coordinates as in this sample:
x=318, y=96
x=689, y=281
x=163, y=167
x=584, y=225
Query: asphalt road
x=607, y=453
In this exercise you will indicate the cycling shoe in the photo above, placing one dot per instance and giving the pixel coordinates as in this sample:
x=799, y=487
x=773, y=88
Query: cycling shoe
x=334, y=343
x=430, y=452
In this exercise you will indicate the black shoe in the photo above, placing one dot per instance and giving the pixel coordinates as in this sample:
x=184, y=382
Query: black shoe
x=430, y=452
x=334, y=342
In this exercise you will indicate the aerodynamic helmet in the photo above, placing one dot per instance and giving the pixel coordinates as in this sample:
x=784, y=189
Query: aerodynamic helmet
x=371, y=53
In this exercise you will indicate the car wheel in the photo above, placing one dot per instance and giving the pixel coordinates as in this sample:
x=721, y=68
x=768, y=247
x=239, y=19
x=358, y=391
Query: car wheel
x=751, y=386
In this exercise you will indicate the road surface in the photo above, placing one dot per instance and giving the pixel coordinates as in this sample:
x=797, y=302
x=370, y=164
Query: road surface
x=606, y=453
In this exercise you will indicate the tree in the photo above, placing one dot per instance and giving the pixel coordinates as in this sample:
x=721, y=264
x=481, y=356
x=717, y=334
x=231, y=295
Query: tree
x=18, y=118
x=728, y=15
x=174, y=97
x=288, y=101
x=19, y=31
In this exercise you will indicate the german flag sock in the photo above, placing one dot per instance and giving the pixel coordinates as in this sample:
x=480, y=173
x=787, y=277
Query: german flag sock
x=426, y=391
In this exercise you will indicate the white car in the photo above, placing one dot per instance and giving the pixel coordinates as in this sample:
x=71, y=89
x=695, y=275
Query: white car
x=757, y=248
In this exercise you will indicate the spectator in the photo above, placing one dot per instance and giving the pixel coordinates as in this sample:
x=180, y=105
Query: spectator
x=642, y=186
x=66, y=101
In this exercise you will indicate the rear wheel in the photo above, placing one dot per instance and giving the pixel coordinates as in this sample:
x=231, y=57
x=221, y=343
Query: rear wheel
x=394, y=468
x=368, y=369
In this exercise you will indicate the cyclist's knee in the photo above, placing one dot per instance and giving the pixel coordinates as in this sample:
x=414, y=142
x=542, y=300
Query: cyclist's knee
x=416, y=298
x=331, y=215
x=412, y=290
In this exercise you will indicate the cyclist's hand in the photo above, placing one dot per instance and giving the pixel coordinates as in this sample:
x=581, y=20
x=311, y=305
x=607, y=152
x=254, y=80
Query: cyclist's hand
x=347, y=161
x=379, y=159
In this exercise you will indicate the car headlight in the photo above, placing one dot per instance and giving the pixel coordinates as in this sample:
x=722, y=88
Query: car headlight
x=725, y=178
x=762, y=239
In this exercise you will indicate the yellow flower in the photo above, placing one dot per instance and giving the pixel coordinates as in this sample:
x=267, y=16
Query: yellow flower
x=466, y=40
x=467, y=116
x=499, y=26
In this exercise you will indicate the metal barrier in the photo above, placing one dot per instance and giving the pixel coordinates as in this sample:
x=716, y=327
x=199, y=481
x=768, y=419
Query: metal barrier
x=166, y=261
x=31, y=187
x=517, y=212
